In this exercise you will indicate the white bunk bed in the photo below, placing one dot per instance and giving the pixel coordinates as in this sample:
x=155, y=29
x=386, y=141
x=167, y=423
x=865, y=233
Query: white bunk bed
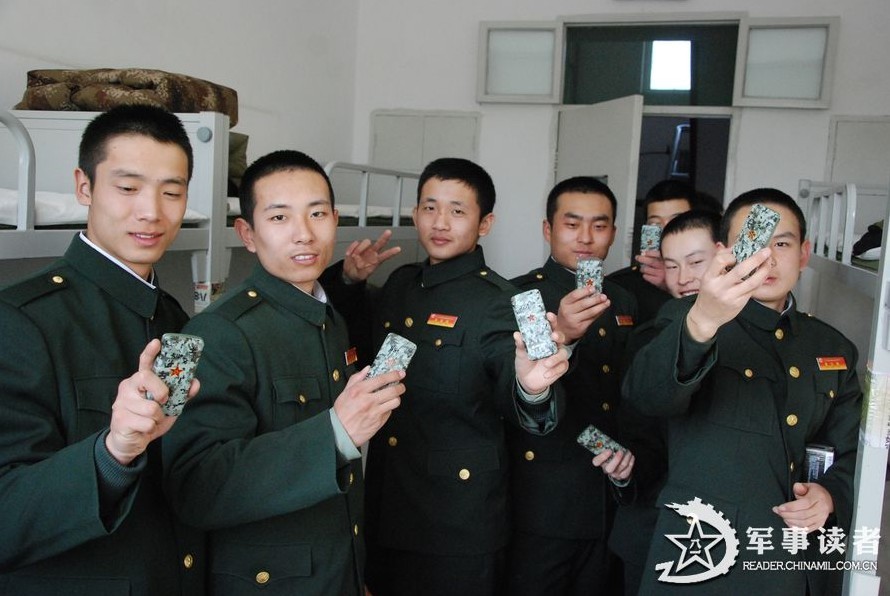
x=836, y=286
x=41, y=212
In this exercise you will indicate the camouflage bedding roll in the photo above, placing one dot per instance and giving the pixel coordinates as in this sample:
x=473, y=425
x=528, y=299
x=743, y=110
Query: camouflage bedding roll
x=103, y=88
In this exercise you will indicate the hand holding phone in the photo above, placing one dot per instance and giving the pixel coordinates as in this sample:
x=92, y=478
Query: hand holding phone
x=596, y=441
x=175, y=365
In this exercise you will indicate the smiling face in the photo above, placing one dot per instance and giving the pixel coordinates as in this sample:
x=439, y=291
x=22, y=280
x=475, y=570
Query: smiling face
x=789, y=256
x=447, y=218
x=136, y=200
x=582, y=227
x=294, y=226
x=686, y=256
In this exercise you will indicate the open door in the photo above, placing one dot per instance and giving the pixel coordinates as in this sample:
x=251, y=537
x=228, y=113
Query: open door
x=603, y=140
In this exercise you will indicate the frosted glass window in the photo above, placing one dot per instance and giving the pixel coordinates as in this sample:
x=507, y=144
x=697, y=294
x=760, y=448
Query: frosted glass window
x=671, y=66
x=785, y=62
x=520, y=62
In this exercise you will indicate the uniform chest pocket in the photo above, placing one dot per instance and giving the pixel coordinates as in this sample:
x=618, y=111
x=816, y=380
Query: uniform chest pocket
x=741, y=395
x=437, y=362
x=825, y=385
x=296, y=399
x=94, y=397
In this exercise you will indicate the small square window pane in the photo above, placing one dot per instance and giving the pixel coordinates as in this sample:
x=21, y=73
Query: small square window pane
x=520, y=62
x=671, y=66
x=785, y=62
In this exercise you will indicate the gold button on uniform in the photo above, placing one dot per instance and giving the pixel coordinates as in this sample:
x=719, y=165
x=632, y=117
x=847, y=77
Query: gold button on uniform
x=794, y=371
x=749, y=373
x=602, y=332
x=437, y=343
x=791, y=419
x=791, y=466
x=386, y=325
x=529, y=455
x=409, y=321
x=540, y=276
x=483, y=273
x=252, y=294
x=301, y=398
x=606, y=368
x=324, y=326
x=335, y=375
x=262, y=577
x=188, y=561
x=392, y=441
x=779, y=334
x=355, y=529
x=351, y=478
x=831, y=394
x=57, y=279
x=606, y=406
x=464, y=474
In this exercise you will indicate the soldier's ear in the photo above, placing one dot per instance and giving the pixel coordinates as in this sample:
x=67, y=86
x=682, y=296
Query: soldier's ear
x=83, y=188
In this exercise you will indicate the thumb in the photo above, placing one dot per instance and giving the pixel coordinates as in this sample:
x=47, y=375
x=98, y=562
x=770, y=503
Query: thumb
x=148, y=355
x=800, y=489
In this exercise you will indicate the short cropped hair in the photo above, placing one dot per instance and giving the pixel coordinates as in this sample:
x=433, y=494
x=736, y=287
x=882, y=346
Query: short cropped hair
x=466, y=172
x=130, y=120
x=285, y=160
x=582, y=184
x=697, y=219
x=766, y=196
x=667, y=190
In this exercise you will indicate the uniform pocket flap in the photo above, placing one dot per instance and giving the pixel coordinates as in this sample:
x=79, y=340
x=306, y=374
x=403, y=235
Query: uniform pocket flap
x=96, y=393
x=262, y=563
x=441, y=336
x=296, y=389
x=455, y=461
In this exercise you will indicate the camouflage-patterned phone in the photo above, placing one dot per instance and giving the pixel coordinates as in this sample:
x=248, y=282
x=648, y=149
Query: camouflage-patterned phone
x=650, y=237
x=596, y=441
x=175, y=365
x=589, y=273
x=757, y=229
x=531, y=316
x=395, y=354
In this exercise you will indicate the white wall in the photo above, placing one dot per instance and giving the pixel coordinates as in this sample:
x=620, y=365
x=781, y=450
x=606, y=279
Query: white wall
x=291, y=62
x=309, y=74
x=775, y=147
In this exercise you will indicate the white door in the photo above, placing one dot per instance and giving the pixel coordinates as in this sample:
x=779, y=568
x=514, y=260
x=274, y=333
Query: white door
x=603, y=140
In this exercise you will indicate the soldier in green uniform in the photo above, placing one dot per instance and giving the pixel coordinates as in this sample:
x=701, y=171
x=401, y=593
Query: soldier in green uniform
x=268, y=458
x=80, y=470
x=747, y=382
x=562, y=506
x=645, y=279
x=437, y=503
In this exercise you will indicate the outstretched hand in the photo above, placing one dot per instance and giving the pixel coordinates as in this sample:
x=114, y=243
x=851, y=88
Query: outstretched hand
x=725, y=292
x=535, y=376
x=578, y=310
x=363, y=257
x=810, y=508
x=135, y=420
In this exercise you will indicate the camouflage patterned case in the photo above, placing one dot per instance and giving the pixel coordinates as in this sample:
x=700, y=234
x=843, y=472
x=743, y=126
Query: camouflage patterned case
x=589, y=273
x=528, y=307
x=650, y=237
x=596, y=441
x=395, y=354
x=756, y=232
x=175, y=365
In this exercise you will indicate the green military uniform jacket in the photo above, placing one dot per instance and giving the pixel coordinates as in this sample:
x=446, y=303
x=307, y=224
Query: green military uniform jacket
x=437, y=470
x=649, y=298
x=555, y=489
x=738, y=428
x=71, y=334
x=253, y=458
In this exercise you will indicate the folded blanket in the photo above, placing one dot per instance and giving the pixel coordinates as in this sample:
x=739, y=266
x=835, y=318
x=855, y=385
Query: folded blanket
x=100, y=89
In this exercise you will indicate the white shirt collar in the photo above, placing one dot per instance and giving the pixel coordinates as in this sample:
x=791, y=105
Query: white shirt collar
x=118, y=262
